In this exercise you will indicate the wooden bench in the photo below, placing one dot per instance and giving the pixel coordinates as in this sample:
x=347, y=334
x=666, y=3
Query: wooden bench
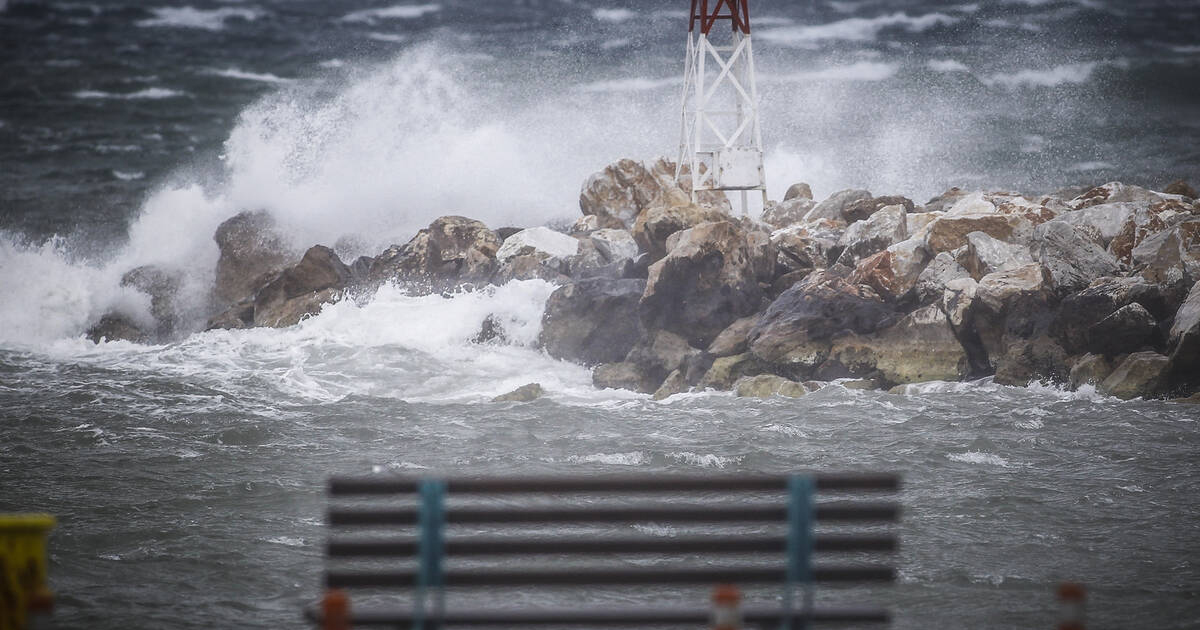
x=431, y=552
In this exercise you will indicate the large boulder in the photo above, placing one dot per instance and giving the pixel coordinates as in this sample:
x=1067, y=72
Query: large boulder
x=453, y=250
x=946, y=200
x=541, y=253
x=985, y=255
x=932, y=281
x=1141, y=374
x=592, y=321
x=1171, y=257
x=615, y=245
x=920, y=347
x=806, y=247
x=657, y=224
x=1070, y=260
x=1090, y=369
x=623, y=375
x=788, y=212
x=734, y=339
x=623, y=190
x=301, y=290
x=726, y=371
x=707, y=281
x=838, y=202
x=1081, y=311
x=1184, y=340
x=117, y=327
x=768, y=385
x=864, y=208
x=1142, y=223
x=1114, y=192
x=252, y=249
x=796, y=329
x=1108, y=220
x=1024, y=360
x=801, y=190
x=162, y=285
x=1128, y=329
x=874, y=234
x=659, y=353
x=949, y=232
x=893, y=272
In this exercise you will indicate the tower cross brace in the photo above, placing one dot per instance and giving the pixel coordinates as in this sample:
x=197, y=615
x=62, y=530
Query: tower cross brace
x=720, y=141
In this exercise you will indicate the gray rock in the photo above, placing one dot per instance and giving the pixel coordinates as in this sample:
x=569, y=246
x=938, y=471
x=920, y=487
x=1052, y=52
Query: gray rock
x=921, y=347
x=301, y=290
x=1070, y=260
x=864, y=208
x=832, y=207
x=804, y=248
x=524, y=393
x=592, y=321
x=931, y=284
x=659, y=353
x=117, y=327
x=656, y=226
x=452, y=251
x=733, y=340
x=875, y=234
x=1171, y=257
x=1128, y=329
x=1090, y=369
x=1080, y=311
x=706, y=283
x=985, y=255
x=789, y=212
x=726, y=371
x=796, y=328
x=1184, y=339
x=617, y=195
x=623, y=376
x=767, y=385
x=945, y=201
x=162, y=285
x=799, y=190
x=1107, y=219
x=252, y=250
x=615, y=245
x=1141, y=374
x=675, y=383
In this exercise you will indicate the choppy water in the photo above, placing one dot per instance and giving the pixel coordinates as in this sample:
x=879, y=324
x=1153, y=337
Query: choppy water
x=188, y=476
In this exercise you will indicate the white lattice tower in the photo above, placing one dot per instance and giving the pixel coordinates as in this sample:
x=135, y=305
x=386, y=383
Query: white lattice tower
x=720, y=137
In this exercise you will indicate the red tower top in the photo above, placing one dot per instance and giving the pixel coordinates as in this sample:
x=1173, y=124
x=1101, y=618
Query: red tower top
x=736, y=11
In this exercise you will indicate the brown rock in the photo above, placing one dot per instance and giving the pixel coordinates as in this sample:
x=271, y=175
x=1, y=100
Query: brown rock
x=733, y=340
x=623, y=376
x=1181, y=188
x=950, y=232
x=252, y=250
x=798, y=191
x=1141, y=374
x=524, y=393
x=1090, y=369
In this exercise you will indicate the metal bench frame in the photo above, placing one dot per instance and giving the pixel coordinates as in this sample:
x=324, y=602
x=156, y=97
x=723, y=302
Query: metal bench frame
x=795, y=506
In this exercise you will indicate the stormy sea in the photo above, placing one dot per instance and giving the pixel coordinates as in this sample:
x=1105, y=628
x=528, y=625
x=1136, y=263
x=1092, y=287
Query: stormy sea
x=187, y=474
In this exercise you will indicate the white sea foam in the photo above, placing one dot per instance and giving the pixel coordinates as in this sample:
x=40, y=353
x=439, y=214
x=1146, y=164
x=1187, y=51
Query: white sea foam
x=1187, y=49
x=1087, y=167
x=235, y=73
x=703, y=460
x=391, y=38
x=947, y=65
x=148, y=94
x=127, y=176
x=398, y=12
x=191, y=17
x=1066, y=74
x=613, y=15
x=633, y=458
x=976, y=457
x=860, y=71
x=854, y=29
x=635, y=84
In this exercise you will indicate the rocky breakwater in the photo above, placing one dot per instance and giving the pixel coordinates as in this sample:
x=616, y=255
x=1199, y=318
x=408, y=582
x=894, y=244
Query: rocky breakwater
x=662, y=295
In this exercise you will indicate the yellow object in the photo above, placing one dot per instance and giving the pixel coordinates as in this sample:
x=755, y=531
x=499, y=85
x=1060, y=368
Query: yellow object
x=23, y=587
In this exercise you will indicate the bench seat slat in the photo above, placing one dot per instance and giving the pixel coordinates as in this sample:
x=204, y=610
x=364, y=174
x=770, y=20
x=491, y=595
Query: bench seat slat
x=346, y=486
x=832, y=511
x=607, y=616
x=395, y=547
x=606, y=576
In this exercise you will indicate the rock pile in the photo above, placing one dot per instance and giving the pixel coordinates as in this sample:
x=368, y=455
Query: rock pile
x=662, y=295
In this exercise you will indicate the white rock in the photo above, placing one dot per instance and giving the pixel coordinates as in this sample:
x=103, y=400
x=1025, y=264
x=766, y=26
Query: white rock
x=987, y=255
x=615, y=245
x=541, y=241
x=974, y=203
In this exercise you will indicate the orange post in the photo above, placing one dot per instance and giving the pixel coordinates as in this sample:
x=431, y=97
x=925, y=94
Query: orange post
x=1071, y=600
x=727, y=608
x=336, y=609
